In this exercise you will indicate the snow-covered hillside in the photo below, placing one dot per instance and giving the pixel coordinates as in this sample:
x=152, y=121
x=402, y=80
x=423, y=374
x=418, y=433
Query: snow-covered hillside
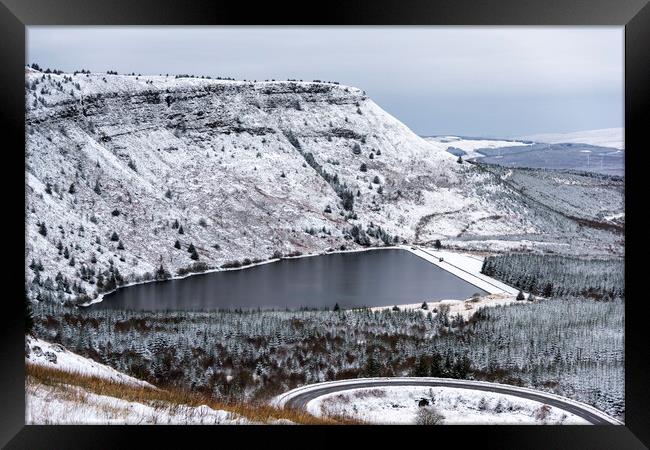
x=126, y=174
x=604, y=137
x=54, y=403
x=56, y=356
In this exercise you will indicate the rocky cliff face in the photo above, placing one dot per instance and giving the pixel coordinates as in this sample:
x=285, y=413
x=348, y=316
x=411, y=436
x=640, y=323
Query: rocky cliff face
x=120, y=168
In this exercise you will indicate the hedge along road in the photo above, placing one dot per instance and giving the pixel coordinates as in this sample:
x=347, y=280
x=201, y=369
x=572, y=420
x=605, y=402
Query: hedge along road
x=299, y=397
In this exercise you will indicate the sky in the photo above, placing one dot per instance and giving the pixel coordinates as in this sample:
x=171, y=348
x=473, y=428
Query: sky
x=468, y=81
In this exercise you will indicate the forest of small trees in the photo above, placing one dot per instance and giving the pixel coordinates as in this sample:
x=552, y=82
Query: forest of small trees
x=570, y=347
x=557, y=276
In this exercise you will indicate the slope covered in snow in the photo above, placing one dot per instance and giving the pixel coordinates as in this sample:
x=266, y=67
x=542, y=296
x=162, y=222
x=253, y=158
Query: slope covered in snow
x=50, y=401
x=604, y=137
x=56, y=356
x=128, y=174
x=71, y=405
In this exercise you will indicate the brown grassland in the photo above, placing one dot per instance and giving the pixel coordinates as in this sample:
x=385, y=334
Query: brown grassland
x=257, y=413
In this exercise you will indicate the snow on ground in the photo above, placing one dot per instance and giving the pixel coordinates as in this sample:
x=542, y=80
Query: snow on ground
x=615, y=216
x=466, y=308
x=72, y=405
x=58, y=357
x=605, y=137
x=64, y=404
x=399, y=405
x=465, y=266
x=469, y=146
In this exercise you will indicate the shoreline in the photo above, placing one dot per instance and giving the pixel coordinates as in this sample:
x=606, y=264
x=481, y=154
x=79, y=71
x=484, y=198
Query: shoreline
x=100, y=297
x=483, y=282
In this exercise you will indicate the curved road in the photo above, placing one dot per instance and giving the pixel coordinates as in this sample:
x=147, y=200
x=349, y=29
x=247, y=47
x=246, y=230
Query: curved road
x=299, y=397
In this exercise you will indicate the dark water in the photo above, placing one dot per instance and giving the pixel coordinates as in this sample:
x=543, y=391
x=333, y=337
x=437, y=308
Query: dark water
x=374, y=278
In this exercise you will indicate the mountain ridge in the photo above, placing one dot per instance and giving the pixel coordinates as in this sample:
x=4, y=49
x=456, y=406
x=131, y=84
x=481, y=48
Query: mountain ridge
x=120, y=168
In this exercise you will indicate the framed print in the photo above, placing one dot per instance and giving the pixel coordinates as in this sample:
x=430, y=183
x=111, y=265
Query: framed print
x=368, y=219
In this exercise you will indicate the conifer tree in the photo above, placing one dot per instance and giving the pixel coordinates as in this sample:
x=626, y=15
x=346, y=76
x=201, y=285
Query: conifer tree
x=29, y=315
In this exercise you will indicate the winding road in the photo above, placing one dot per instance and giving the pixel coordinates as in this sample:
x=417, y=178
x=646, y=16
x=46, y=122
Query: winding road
x=299, y=397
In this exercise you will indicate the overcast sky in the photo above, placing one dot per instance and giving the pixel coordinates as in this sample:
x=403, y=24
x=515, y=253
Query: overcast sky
x=471, y=81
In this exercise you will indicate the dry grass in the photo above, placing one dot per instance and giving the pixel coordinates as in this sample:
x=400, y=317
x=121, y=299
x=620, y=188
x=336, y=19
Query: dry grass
x=257, y=413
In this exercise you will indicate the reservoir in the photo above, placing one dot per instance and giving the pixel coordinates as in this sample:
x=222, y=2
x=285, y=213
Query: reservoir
x=383, y=277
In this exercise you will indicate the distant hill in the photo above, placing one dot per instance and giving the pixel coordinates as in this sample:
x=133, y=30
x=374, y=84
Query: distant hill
x=605, y=137
x=580, y=157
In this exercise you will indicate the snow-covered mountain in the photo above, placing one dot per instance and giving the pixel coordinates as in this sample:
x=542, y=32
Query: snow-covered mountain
x=120, y=168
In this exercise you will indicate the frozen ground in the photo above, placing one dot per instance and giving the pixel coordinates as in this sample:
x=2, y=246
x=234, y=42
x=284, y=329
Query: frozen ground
x=399, y=405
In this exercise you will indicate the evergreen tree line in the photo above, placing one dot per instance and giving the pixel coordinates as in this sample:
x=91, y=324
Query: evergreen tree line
x=570, y=347
x=344, y=193
x=558, y=276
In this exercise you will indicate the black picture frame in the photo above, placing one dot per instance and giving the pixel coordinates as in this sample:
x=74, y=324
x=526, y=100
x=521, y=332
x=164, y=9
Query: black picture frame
x=15, y=15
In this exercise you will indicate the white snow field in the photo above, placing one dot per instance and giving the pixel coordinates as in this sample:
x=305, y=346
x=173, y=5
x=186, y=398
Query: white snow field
x=604, y=137
x=72, y=405
x=398, y=405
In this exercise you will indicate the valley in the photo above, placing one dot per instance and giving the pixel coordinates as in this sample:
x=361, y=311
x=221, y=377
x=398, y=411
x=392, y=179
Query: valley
x=244, y=231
